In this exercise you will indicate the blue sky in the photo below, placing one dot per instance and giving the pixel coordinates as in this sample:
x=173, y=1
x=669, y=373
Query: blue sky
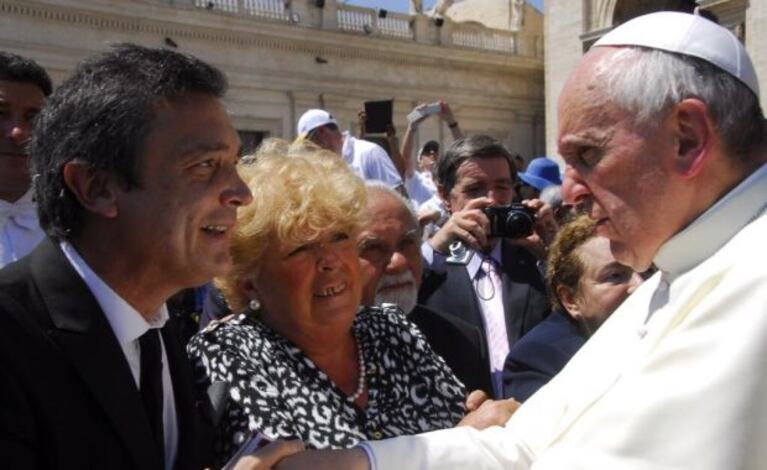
x=404, y=5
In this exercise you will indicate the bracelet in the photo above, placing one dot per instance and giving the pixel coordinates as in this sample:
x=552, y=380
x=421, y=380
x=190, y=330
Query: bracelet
x=453, y=125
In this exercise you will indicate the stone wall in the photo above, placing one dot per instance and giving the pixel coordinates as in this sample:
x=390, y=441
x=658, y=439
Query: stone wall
x=283, y=62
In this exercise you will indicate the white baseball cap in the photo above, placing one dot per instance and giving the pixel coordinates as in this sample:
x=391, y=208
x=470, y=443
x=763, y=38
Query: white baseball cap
x=313, y=119
x=690, y=35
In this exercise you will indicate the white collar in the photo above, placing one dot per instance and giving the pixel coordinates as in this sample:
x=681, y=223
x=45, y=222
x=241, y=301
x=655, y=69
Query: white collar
x=706, y=234
x=26, y=200
x=127, y=323
x=23, y=211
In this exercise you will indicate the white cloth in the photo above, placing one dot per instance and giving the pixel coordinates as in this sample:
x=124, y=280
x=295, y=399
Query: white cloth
x=128, y=326
x=676, y=378
x=420, y=188
x=20, y=231
x=370, y=161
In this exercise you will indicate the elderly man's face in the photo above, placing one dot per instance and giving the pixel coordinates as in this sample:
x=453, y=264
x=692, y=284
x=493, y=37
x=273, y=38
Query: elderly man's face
x=389, y=253
x=619, y=171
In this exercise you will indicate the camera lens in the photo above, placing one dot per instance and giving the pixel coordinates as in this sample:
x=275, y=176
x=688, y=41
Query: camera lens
x=519, y=224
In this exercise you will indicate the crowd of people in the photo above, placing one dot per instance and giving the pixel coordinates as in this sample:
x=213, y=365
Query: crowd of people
x=361, y=307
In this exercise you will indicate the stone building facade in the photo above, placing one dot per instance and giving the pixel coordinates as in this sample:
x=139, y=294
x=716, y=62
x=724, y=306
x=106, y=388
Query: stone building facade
x=571, y=27
x=283, y=57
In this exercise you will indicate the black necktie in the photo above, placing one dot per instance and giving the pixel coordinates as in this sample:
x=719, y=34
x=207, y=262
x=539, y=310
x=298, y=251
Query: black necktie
x=151, y=383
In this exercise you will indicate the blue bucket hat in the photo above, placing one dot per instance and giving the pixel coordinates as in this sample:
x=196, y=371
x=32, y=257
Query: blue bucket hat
x=541, y=172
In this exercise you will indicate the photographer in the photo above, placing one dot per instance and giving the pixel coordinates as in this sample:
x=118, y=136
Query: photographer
x=491, y=282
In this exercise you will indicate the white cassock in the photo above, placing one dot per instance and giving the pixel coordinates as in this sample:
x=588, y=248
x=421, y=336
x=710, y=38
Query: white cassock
x=675, y=379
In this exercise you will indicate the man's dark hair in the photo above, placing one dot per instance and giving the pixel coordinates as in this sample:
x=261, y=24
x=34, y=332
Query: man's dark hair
x=101, y=117
x=15, y=68
x=475, y=146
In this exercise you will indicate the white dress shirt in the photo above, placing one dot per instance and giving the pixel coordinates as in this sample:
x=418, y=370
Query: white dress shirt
x=128, y=326
x=676, y=378
x=370, y=161
x=20, y=231
x=420, y=188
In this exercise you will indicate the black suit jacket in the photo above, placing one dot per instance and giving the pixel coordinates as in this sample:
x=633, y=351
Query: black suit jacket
x=540, y=355
x=459, y=343
x=67, y=396
x=524, y=295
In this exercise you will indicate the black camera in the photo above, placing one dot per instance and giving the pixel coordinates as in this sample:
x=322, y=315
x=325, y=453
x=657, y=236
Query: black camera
x=512, y=221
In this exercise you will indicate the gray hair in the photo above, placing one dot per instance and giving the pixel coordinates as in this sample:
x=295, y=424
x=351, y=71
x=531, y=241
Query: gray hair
x=378, y=187
x=648, y=81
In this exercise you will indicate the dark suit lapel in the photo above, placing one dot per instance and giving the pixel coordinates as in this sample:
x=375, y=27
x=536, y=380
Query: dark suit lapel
x=85, y=337
x=515, y=293
x=461, y=290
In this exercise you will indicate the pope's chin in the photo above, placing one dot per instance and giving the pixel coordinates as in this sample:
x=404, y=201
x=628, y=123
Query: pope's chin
x=628, y=257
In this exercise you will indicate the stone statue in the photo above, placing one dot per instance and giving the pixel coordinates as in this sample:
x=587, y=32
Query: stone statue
x=517, y=14
x=440, y=9
x=416, y=7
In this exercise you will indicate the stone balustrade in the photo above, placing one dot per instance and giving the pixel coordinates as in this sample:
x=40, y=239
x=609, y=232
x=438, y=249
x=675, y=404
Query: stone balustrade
x=378, y=23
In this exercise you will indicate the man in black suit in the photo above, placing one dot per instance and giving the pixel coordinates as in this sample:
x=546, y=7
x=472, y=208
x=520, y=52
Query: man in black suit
x=134, y=168
x=497, y=286
x=391, y=263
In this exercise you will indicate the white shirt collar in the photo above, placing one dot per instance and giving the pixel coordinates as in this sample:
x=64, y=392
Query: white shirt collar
x=126, y=322
x=23, y=211
x=706, y=234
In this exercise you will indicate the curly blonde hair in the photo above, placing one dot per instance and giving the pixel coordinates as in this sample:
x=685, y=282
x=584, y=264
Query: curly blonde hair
x=563, y=266
x=298, y=197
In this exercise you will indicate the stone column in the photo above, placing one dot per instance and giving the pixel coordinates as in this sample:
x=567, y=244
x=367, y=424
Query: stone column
x=756, y=43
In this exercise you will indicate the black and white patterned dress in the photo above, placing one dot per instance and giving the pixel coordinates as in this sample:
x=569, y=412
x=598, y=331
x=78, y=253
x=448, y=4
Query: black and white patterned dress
x=278, y=390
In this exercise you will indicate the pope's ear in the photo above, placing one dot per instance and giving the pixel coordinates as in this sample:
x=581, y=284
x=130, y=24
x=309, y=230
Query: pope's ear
x=95, y=189
x=694, y=130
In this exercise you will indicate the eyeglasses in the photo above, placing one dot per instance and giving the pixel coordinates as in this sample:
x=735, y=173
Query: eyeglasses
x=313, y=133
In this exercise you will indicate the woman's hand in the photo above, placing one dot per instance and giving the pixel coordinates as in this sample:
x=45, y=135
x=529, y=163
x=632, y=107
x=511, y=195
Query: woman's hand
x=269, y=455
x=482, y=412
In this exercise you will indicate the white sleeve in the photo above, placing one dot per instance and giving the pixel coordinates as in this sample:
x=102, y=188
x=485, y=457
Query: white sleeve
x=457, y=448
x=377, y=165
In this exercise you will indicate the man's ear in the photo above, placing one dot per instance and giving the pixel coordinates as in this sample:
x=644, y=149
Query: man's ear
x=568, y=300
x=694, y=136
x=94, y=189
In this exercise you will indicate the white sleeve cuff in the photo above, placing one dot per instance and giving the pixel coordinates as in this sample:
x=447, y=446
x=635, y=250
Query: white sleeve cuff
x=369, y=453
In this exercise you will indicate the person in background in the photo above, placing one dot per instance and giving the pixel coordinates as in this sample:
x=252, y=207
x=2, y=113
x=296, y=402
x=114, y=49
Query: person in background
x=389, y=248
x=420, y=170
x=368, y=160
x=541, y=173
x=497, y=286
x=586, y=284
x=23, y=88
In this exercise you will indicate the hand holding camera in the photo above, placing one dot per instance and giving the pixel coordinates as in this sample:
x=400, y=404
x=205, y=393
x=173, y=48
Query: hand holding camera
x=545, y=228
x=530, y=224
x=469, y=225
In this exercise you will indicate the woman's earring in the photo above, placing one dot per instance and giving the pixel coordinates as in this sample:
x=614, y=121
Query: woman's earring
x=254, y=305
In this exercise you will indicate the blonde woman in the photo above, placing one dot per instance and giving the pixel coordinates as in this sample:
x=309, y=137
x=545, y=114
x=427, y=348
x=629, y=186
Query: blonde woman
x=303, y=360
